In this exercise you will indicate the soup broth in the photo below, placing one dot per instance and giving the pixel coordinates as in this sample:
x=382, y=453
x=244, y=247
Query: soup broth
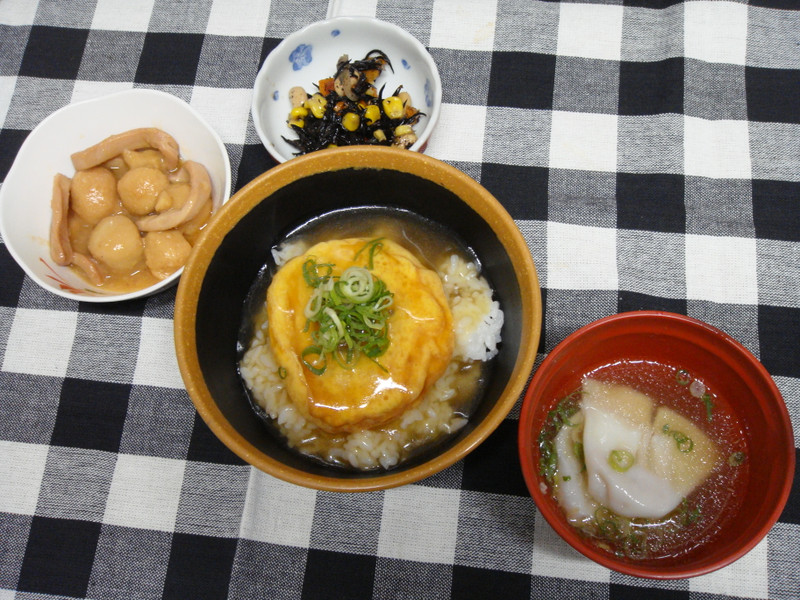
x=702, y=512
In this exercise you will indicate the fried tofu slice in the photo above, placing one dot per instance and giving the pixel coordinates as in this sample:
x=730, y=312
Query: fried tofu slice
x=368, y=394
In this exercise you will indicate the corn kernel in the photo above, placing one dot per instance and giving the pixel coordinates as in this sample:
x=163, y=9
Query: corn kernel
x=372, y=114
x=316, y=104
x=297, y=123
x=393, y=107
x=402, y=130
x=298, y=112
x=379, y=135
x=351, y=121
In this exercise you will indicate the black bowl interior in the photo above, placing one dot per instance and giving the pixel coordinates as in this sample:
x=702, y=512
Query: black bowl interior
x=246, y=249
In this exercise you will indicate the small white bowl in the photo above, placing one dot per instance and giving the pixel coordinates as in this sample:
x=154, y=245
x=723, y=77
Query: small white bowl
x=308, y=55
x=25, y=196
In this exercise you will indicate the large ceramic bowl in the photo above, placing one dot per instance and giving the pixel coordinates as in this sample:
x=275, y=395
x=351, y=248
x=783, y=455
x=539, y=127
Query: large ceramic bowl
x=228, y=258
x=25, y=211
x=308, y=55
x=702, y=353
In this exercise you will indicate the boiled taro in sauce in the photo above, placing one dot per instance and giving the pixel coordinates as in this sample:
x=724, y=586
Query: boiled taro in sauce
x=128, y=217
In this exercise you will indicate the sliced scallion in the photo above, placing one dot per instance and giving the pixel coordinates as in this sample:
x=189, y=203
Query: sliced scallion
x=347, y=315
x=620, y=460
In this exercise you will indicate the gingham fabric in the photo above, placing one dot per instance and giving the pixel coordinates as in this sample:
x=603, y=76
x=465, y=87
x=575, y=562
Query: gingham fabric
x=650, y=154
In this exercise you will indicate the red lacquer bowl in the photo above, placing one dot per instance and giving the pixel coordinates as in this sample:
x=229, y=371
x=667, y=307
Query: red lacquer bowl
x=718, y=359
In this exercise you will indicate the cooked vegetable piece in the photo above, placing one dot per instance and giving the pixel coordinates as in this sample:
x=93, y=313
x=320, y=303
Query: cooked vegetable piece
x=115, y=242
x=93, y=194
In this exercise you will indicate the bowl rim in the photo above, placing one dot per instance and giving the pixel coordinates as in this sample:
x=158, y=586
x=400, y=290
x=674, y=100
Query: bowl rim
x=527, y=439
x=335, y=159
x=257, y=98
x=32, y=137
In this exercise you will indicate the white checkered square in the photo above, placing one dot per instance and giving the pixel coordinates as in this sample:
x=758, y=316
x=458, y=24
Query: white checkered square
x=157, y=364
x=715, y=31
x=583, y=141
x=718, y=149
x=581, y=257
x=17, y=12
x=239, y=18
x=419, y=524
x=552, y=557
x=86, y=90
x=352, y=8
x=226, y=110
x=6, y=92
x=748, y=577
x=144, y=493
x=590, y=31
x=463, y=24
x=277, y=512
x=132, y=15
x=467, y=147
x=40, y=342
x=721, y=269
x=21, y=471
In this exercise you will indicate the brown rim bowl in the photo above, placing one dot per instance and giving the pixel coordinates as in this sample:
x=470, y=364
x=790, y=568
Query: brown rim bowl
x=237, y=243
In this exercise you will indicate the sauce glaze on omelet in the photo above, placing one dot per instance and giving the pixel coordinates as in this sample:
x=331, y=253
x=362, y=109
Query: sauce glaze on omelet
x=364, y=396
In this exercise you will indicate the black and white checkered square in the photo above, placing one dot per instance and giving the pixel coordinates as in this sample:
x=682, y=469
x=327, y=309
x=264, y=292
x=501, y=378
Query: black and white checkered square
x=646, y=150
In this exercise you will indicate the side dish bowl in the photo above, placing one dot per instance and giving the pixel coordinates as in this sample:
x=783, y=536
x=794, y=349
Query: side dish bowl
x=25, y=210
x=726, y=366
x=237, y=244
x=310, y=54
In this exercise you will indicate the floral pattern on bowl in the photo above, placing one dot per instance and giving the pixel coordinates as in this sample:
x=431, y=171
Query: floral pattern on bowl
x=301, y=56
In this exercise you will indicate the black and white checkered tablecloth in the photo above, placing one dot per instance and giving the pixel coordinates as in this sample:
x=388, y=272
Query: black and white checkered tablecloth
x=650, y=154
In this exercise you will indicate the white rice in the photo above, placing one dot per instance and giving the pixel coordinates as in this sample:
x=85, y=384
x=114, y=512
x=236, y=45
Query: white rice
x=477, y=321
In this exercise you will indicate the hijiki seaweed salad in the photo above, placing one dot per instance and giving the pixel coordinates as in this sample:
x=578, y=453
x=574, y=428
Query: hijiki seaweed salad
x=347, y=109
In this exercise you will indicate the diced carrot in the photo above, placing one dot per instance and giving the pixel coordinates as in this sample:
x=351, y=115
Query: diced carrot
x=326, y=86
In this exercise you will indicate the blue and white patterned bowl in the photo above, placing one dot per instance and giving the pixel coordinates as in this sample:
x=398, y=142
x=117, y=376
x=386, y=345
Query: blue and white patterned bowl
x=310, y=54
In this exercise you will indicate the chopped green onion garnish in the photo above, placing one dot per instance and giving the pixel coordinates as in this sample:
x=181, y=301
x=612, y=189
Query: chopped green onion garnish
x=736, y=459
x=620, y=460
x=685, y=443
x=706, y=398
x=690, y=515
x=282, y=372
x=372, y=247
x=683, y=377
x=350, y=313
x=315, y=366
